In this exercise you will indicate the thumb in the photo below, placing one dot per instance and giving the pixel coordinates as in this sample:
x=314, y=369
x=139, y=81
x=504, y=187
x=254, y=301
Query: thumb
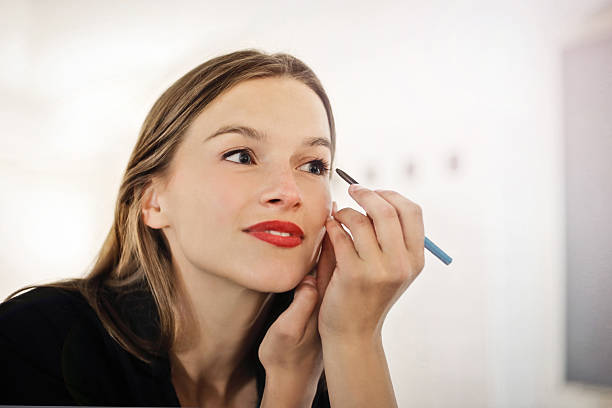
x=294, y=319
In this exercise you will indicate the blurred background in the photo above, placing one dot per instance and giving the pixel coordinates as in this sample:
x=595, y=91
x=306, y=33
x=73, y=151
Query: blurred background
x=494, y=116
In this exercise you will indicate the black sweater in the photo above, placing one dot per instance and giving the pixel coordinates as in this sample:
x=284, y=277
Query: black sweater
x=54, y=350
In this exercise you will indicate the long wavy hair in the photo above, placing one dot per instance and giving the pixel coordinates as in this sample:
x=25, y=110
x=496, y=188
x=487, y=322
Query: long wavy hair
x=137, y=259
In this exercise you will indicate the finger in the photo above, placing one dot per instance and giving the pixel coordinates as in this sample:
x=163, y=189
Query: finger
x=411, y=220
x=294, y=320
x=312, y=325
x=362, y=230
x=344, y=249
x=325, y=266
x=385, y=217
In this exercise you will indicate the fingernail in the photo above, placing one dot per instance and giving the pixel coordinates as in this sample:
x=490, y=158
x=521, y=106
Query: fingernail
x=355, y=187
x=334, y=208
x=310, y=280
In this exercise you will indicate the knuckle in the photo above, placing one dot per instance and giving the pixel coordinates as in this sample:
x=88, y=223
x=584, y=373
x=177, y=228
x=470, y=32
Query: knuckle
x=388, y=192
x=388, y=211
x=420, y=263
x=361, y=220
x=400, y=264
x=417, y=209
x=402, y=275
x=401, y=270
x=286, y=335
x=389, y=280
x=383, y=277
x=402, y=278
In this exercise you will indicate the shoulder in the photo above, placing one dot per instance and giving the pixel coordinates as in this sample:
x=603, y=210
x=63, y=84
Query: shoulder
x=34, y=327
x=55, y=350
x=40, y=297
x=41, y=314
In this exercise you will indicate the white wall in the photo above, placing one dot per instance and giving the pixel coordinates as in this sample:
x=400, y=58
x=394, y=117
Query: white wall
x=410, y=82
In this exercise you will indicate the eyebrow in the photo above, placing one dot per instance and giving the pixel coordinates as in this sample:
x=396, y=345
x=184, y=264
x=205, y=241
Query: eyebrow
x=260, y=136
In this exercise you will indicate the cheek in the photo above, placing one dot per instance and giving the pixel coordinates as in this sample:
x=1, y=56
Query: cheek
x=324, y=205
x=202, y=202
x=223, y=201
x=320, y=207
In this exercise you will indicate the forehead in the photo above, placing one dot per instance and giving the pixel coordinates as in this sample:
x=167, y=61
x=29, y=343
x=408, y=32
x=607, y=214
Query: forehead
x=275, y=106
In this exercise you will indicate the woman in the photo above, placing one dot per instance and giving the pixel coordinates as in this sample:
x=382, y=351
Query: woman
x=224, y=281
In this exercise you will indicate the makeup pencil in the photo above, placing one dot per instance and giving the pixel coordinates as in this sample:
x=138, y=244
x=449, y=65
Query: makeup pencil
x=431, y=247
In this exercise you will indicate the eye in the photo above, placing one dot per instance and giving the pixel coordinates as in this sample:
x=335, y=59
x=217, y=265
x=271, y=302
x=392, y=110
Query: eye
x=245, y=157
x=242, y=154
x=321, y=165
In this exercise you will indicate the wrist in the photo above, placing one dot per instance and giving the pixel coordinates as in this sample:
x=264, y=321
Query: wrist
x=357, y=373
x=288, y=389
x=361, y=341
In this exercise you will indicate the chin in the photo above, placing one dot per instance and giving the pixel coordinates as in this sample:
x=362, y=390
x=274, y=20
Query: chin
x=276, y=285
x=280, y=287
x=276, y=275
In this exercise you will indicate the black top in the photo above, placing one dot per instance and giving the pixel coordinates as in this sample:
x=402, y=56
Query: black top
x=54, y=350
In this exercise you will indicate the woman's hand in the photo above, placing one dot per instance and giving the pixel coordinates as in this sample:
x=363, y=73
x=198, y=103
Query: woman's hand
x=291, y=351
x=373, y=268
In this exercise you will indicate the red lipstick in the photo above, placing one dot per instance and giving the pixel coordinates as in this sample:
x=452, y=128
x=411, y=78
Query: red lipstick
x=276, y=232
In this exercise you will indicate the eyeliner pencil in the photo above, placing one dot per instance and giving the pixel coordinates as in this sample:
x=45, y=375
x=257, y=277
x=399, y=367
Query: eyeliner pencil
x=431, y=247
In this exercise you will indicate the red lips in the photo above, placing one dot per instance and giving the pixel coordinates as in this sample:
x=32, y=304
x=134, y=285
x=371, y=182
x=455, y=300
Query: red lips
x=277, y=225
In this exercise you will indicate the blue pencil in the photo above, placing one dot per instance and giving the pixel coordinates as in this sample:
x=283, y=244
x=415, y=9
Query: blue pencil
x=431, y=247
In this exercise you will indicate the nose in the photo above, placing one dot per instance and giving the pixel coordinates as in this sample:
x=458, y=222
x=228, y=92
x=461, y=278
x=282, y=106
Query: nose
x=281, y=190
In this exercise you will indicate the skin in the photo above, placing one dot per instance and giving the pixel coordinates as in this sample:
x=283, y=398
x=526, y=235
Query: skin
x=336, y=320
x=227, y=277
x=360, y=279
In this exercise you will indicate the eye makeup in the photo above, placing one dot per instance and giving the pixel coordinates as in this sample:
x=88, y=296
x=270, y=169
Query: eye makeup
x=321, y=163
x=431, y=247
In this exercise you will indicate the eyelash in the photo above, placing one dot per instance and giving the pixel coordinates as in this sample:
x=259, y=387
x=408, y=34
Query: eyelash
x=323, y=164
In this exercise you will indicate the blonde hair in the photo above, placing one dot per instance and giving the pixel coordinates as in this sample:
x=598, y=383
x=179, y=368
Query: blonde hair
x=135, y=257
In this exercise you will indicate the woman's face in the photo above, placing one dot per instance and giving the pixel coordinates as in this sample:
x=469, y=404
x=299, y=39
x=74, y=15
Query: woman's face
x=223, y=181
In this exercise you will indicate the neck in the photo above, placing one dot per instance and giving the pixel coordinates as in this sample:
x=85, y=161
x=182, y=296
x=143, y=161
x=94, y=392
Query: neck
x=218, y=323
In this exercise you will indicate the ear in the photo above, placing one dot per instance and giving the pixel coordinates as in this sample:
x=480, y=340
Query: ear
x=153, y=214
